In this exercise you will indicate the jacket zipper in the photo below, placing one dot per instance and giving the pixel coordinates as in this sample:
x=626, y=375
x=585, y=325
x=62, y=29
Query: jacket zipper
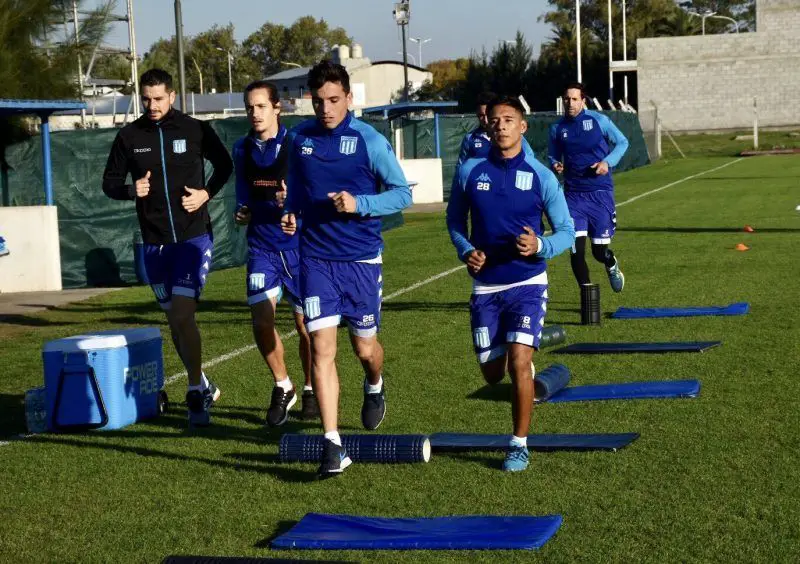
x=166, y=186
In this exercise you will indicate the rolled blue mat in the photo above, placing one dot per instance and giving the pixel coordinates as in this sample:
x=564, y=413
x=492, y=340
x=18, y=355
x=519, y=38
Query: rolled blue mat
x=550, y=381
x=386, y=449
x=740, y=308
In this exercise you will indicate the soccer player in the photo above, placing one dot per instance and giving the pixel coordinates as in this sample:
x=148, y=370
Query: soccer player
x=164, y=152
x=336, y=166
x=579, y=149
x=476, y=143
x=273, y=265
x=505, y=195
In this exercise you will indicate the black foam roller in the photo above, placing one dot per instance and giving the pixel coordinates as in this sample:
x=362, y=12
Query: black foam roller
x=590, y=304
x=387, y=449
x=552, y=335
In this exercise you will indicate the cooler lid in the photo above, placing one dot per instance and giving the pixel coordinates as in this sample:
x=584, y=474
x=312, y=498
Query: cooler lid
x=112, y=339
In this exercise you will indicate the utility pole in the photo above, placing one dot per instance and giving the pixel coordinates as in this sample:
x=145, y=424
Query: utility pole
x=179, y=41
x=134, y=61
x=402, y=15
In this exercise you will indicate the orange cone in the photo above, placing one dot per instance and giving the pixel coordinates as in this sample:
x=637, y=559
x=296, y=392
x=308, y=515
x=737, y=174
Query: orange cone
x=742, y=247
x=748, y=229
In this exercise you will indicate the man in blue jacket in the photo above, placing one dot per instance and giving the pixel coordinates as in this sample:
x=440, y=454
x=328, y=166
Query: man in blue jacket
x=579, y=149
x=505, y=196
x=477, y=143
x=336, y=166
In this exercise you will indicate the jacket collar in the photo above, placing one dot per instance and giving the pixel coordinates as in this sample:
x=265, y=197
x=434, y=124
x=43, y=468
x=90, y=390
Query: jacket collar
x=497, y=158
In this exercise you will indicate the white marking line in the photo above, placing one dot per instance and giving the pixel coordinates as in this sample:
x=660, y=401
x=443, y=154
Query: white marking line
x=248, y=348
x=629, y=200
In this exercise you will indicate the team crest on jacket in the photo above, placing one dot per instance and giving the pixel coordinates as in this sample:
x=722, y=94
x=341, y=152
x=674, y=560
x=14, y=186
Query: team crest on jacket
x=587, y=125
x=347, y=145
x=179, y=146
x=524, y=180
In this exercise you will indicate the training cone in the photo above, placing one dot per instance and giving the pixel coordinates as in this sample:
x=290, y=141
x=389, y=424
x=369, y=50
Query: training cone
x=748, y=229
x=742, y=247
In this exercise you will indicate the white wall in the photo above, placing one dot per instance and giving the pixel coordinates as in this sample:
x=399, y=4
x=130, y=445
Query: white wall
x=31, y=234
x=428, y=175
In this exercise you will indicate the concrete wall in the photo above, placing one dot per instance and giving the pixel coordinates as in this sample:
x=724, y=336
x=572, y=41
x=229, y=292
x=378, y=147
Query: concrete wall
x=709, y=82
x=31, y=234
x=427, y=173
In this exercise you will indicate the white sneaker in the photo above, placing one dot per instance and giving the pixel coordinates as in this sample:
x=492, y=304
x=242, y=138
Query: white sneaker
x=616, y=278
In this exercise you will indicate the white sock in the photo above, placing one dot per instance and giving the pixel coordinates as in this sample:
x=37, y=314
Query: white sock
x=518, y=441
x=285, y=385
x=334, y=437
x=375, y=388
x=307, y=388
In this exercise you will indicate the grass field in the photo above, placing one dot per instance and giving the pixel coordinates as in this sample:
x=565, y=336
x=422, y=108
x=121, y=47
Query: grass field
x=711, y=479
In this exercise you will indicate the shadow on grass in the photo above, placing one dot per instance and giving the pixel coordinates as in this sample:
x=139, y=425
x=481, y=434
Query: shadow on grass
x=491, y=462
x=497, y=392
x=425, y=306
x=12, y=415
x=30, y=321
x=281, y=528
x=708, y=230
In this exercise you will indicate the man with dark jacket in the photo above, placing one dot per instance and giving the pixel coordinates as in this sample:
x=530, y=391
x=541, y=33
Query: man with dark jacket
x=164, y=152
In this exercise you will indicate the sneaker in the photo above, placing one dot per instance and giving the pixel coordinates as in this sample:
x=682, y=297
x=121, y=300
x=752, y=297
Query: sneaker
x=516, y=459
x=310, y=405
x=334, y=460
x=282, y=401
x=616, y=278
x=374, y=409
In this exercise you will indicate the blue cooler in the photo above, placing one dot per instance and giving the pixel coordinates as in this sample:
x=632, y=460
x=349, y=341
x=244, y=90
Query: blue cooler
x=103, y=380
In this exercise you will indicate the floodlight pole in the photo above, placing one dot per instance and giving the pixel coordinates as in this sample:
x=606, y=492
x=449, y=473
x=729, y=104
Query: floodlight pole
x=134, y=61
x=179, y=41
x=405, y=64
x=610, y=55
x=578, y=38
x=402, y=15
x=624, y=49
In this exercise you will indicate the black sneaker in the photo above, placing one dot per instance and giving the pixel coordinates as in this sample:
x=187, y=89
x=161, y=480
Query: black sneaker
x=334, y=460
x=310, y=405
x=282, y=401
x=199, y=403
x=374, y=408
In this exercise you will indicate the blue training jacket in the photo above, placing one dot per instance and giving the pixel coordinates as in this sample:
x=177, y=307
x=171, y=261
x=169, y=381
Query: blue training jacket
x=501, y=197
x=353, y=158
x=259, y=172
x=477, y=143
x=579, y=142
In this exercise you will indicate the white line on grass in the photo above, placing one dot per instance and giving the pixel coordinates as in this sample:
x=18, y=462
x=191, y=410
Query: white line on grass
x=400, y=292
x=629, y=200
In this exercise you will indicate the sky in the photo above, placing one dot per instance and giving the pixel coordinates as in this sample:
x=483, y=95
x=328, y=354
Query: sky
x=455, y=27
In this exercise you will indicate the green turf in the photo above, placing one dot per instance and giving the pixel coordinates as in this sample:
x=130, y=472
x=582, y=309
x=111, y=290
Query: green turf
x=711, y=479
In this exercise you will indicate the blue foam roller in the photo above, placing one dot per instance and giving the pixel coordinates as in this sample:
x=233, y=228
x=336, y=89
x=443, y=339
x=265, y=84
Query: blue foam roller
x=550, y=381
x=740, y=308
x=629, y=390
x=611, y=348
x=361, y=448
x=467, y=532
x=460, y=442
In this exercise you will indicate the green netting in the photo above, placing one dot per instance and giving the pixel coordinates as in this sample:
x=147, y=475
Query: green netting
x=419, y=139
x=97, y=233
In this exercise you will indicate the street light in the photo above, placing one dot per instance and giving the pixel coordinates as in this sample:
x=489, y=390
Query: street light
x=291, y=64
x=199, y=73
x=410, y=55
x=421, y=42
x=735, y=23
x=230, y=75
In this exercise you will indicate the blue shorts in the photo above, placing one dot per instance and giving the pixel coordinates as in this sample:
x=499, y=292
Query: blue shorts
x=178, y=269
x=333, y=290
x=515, y=315
x=269, y=273
x=594, y=214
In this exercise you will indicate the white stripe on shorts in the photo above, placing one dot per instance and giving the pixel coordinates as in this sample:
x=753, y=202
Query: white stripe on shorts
x=263, y=296
x=185, y=292
x=601, y=241
x=518, y=337
x=371, y=332
x=491, y=354
x=323, y=323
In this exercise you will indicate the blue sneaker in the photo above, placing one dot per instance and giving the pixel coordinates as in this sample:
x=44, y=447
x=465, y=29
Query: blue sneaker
x=199, y=403
x=616, y=278
x=334, y=460
x=3, y=248
x=516, y=459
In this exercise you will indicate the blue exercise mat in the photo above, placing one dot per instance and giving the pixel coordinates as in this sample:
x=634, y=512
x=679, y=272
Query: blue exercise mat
x=460, y=442
x=469, y=532
x=629, y=390
x=611, y=348
x=647, y=312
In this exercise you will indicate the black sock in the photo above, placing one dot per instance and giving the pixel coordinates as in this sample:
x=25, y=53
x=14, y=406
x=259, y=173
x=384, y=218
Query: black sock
x=578, y=261
x=602, y=253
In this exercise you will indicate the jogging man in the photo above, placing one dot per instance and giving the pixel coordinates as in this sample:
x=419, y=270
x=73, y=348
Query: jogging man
x=505, y=196
x=273, y=264
x=164, y=153
x=336, y=166
x=579, y=149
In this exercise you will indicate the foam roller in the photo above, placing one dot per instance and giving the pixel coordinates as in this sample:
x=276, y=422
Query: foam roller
x=552, y=335
x=550, y=381
x=387, y=449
